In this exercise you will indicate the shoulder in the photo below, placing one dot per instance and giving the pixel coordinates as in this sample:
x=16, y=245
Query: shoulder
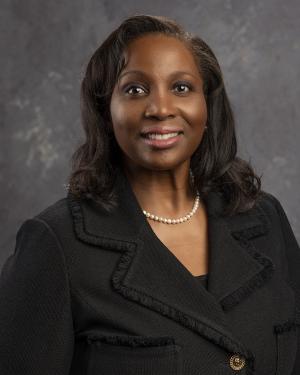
x=273, y=207
x=56, y=210
x=279, y=221
x=270, y=204
x=52, y=221
x=37, y=240
x=269, y=198
x=55, y=215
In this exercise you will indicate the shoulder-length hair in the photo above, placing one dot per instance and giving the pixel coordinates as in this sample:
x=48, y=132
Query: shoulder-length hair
x=214, y=164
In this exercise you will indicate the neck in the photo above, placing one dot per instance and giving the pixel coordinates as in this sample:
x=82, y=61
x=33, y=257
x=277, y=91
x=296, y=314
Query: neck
x=167, y=193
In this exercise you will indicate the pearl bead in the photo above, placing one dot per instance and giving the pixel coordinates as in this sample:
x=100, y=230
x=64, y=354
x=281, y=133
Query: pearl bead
x=175, y=221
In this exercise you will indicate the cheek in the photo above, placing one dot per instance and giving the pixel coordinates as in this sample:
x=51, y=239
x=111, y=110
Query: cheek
x=198, y=114
x=122, y=117
x=116, y=111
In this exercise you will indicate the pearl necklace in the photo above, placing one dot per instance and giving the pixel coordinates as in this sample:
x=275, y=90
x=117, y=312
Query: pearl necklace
x=175, y=221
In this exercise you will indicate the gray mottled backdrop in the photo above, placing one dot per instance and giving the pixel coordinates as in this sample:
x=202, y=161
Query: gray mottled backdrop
x=46, y=46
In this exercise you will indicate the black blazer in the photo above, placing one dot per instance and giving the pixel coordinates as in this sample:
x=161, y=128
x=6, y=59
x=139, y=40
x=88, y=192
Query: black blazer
x=92, y=293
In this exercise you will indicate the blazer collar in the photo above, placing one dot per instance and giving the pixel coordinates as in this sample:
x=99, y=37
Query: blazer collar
x=149, y=274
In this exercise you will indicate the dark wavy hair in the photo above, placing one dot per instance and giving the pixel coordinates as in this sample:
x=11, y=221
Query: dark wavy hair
x=214, y=164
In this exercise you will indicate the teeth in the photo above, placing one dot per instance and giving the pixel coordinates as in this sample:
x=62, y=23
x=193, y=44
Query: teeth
x=162, y=136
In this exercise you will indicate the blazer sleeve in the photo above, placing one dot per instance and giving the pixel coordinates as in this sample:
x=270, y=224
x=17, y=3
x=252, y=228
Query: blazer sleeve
x=36, y=327
x=293, y=260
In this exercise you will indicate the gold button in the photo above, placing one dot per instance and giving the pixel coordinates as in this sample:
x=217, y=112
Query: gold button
x=237, y=362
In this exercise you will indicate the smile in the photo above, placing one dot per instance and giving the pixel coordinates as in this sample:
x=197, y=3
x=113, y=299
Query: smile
x=161, y=136
x=162, y=141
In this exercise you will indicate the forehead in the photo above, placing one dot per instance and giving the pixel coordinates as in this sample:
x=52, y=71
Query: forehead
x=159, y=52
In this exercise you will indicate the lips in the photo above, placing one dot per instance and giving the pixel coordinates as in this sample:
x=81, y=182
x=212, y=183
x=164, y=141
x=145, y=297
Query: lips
x=159, y=141
x=161, y=130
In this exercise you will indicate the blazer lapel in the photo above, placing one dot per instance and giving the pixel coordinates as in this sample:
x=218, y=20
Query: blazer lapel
x=149, y=274
x=236, y=267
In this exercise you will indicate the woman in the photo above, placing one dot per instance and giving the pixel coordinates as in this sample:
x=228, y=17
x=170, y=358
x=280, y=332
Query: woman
x=165, y=257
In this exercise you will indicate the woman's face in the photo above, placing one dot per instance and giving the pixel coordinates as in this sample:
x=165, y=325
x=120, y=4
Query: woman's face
x=160, y=91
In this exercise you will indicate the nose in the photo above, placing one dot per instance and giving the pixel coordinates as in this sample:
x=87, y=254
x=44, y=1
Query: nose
x=160, y=105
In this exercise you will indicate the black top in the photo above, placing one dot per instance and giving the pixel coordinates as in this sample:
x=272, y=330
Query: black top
x=202, y=279
x=76, y=292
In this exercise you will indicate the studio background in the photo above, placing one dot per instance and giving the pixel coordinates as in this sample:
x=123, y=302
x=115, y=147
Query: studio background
x=45, y=46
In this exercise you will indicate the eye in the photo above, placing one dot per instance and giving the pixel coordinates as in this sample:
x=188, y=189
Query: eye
x=135, y=87
x=183, y=84
x=133, y=90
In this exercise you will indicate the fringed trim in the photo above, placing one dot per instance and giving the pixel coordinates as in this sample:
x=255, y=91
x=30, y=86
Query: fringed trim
x=85, y=236
x=257, y=230
x=289, y=325
x=253, y=232
x=209, y=332
x=256, y=281
x=130, y=340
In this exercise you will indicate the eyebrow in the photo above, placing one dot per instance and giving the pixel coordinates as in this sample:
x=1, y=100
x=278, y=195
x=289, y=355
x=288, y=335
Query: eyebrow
x=140, y=72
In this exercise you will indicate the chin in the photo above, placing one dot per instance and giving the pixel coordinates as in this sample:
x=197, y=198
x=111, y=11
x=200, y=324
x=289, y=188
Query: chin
x=164, y=166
